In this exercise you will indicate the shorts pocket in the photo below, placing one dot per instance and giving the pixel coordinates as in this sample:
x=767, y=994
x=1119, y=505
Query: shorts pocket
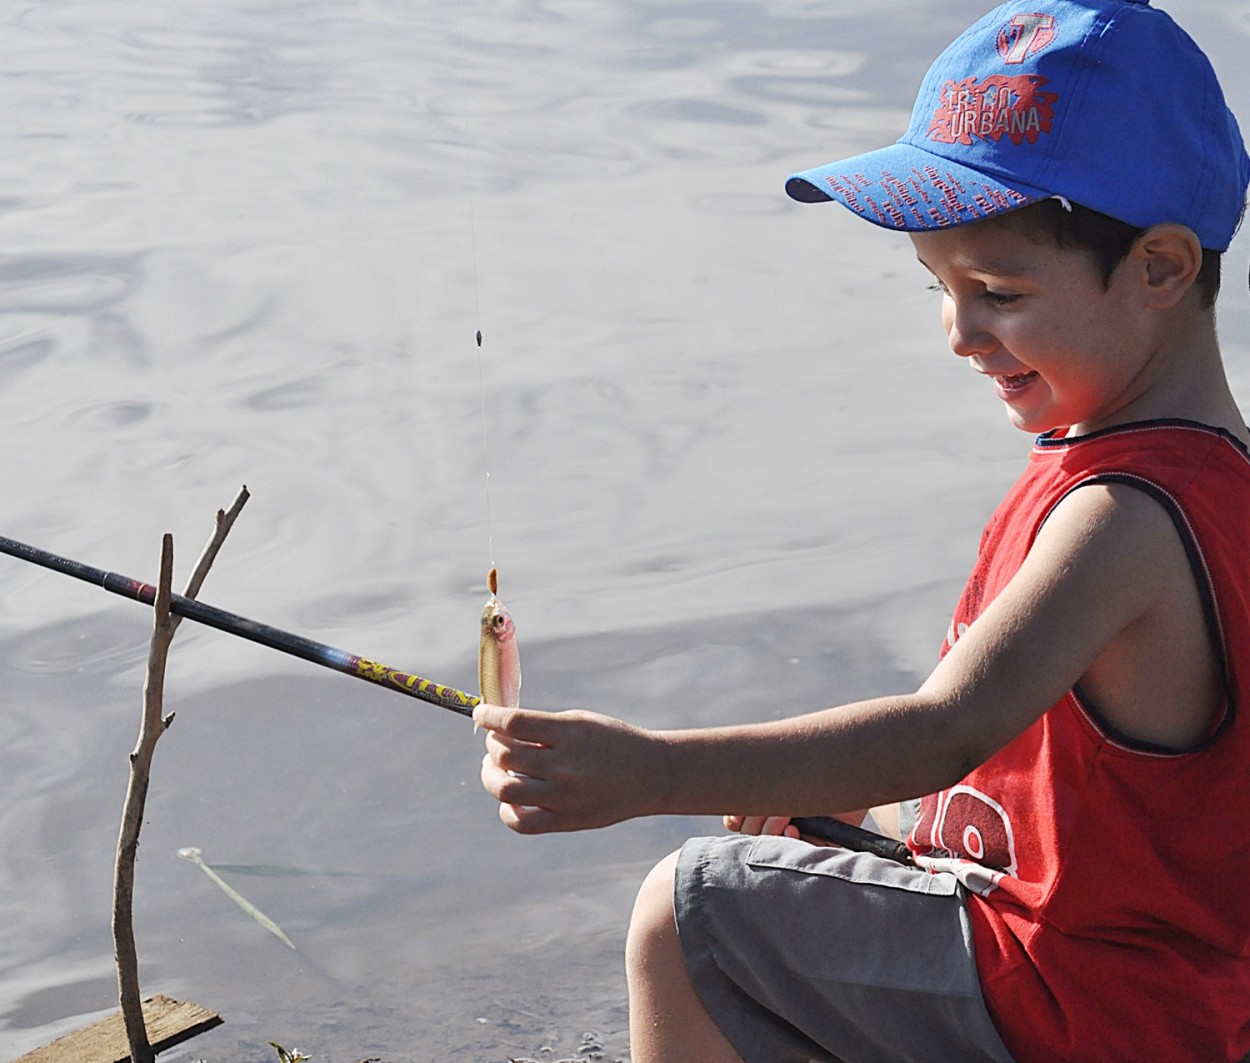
x=865, y=869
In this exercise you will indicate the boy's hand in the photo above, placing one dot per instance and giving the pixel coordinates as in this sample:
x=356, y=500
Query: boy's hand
x=761, y=825
x=567, y=770
x=784, y=826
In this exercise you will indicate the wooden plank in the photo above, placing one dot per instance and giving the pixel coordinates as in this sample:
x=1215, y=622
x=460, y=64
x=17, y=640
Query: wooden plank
x=169, y=1022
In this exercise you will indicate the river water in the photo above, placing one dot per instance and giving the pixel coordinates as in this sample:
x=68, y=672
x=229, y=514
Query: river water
x=734, y=472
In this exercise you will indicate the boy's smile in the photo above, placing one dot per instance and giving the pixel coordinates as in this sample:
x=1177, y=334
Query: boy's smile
x=1062, y=350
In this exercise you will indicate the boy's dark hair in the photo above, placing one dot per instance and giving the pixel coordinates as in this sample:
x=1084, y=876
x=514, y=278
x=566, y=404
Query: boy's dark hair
x=1107, y=238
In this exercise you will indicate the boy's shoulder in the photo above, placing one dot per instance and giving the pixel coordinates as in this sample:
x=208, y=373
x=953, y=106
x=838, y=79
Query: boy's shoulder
x=1197, y=474
x=1115, y=565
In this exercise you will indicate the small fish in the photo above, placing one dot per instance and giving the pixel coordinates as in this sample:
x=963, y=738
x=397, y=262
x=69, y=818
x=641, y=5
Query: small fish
x=196, y=856
x=498, y=658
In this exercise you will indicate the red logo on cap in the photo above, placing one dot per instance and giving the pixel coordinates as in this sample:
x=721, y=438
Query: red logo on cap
x=1025, y=35
x=999, y=106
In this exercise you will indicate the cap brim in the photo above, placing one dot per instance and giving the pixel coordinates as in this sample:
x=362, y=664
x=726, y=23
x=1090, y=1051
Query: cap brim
x=905, y=187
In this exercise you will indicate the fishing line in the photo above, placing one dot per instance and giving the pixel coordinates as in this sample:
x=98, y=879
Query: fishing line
x=477, y=299
x=481, y=383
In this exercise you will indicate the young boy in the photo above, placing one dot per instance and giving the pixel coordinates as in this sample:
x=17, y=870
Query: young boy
x=1069, y=178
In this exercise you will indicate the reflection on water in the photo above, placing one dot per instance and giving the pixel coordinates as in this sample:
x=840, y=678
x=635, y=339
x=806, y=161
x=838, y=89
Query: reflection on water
x=733, y=473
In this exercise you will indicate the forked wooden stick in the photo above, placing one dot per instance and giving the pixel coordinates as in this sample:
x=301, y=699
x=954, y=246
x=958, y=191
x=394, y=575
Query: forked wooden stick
x=151, y=728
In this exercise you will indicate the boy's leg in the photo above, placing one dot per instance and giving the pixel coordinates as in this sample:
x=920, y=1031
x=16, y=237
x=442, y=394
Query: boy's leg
x=667, y=1020
x=790, y=952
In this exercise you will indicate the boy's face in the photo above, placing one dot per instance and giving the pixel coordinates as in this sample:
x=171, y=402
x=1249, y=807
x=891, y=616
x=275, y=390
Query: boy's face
x=1061, y=350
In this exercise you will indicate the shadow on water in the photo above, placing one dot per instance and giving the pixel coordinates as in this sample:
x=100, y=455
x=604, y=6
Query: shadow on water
x=424, y=929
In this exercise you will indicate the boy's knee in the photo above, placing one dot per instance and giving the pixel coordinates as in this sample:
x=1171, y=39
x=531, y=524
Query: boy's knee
x=653, y=920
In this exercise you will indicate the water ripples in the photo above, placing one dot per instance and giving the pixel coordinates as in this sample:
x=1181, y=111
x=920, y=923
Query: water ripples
x=88, y=283
x=84, y=646
x=22, y=352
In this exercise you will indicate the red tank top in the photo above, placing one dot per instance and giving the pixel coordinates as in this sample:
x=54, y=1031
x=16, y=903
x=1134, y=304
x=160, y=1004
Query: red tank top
x=1109, y=882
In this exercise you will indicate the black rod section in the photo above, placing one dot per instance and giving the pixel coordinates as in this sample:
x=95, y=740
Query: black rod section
x=851, y=837
x=296, y=645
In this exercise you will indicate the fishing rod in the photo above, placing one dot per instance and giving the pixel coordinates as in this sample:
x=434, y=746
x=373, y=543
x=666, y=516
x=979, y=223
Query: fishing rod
x=296, y=645
x=849, y=836
x=831, y=830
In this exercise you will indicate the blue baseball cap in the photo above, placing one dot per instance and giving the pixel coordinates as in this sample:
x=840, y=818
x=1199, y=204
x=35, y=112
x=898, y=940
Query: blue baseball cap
x=1105, y=103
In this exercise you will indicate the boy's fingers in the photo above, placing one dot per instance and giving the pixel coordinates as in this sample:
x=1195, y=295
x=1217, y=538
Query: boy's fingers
x=523, y=757
x=527, y=819
x=512, y=787
x=493, y=777
x=488, y=716
x=524, y=724
x=761, y=825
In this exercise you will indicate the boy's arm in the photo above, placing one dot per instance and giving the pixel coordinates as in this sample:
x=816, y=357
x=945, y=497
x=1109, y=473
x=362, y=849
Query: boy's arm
x=1105, y=563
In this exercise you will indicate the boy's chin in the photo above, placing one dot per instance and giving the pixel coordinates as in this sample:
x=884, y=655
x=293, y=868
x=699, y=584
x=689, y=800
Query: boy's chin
x=1035, y=426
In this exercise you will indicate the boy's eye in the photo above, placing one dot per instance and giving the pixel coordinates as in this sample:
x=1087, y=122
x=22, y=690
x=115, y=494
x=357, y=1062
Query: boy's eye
x=996, y=298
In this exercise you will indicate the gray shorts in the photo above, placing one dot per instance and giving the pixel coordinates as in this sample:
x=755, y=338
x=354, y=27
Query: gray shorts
x=803, y=953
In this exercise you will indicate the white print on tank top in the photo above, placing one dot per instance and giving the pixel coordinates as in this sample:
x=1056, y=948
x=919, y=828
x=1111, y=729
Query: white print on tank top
x=954, y=633
x=969, y=834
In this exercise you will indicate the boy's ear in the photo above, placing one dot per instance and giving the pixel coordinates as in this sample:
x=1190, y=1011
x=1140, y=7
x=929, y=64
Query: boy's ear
x=1170, y=257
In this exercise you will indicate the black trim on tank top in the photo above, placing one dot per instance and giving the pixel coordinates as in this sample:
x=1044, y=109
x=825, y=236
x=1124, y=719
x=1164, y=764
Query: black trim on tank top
x=1205, y=594
x=1051, y=441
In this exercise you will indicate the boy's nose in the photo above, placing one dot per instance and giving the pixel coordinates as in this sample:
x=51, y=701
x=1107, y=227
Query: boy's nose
x=966, y=335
